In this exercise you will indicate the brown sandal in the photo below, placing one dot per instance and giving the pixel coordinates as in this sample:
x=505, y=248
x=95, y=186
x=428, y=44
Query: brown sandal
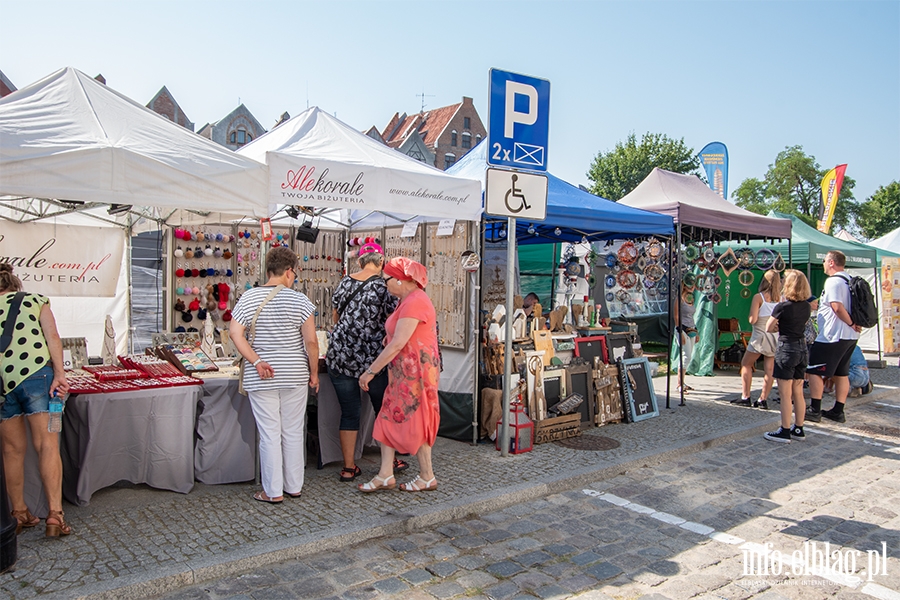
x=60, y=527
x=24, y=519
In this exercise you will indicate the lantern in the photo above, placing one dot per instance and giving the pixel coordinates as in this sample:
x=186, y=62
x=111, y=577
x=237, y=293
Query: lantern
x=521, y=430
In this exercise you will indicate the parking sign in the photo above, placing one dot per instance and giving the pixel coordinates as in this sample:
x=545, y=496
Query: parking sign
x=518, y=121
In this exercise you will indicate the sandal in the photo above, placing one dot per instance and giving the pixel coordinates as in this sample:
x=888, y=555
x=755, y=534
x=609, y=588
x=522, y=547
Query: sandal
x=297, y=495
x=415, y=486
x=400, y=465
x=348, y=474
x=261, y=496
x=24, y=519
x=372, y=486
x=60, y=527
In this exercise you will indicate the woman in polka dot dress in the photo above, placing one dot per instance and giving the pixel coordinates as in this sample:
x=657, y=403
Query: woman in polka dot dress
x=31, y=371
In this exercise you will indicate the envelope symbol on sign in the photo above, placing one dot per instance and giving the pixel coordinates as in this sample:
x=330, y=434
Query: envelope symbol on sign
x=528, y=154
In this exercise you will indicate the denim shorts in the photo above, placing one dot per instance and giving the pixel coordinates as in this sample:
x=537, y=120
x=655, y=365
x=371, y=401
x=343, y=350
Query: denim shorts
x=791, y=358
x=29, y=397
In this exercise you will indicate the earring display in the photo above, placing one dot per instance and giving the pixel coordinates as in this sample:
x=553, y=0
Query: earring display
x=448, y=283
x=411, y=247
x=202, y=275
x=321, y=267
x=355, y=241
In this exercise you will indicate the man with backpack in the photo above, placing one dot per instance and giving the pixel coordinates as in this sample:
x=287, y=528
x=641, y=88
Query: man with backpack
x=838, y=334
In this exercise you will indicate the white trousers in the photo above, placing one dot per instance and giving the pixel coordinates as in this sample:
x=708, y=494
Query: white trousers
x=281, y=421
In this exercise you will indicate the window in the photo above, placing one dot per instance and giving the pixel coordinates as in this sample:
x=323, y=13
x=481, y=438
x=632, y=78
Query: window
x=232, y=139
x=453, y=138
x=467, y=123
x=449, y=159
x=477, y=139
x=466, y=139
x=242, y=136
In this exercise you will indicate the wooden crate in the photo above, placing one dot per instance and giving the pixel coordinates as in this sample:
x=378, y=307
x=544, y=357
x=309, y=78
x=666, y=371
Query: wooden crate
x=557, y=428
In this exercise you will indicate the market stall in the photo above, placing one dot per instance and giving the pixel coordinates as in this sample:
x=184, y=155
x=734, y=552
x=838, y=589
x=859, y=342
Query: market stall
x=702, y=218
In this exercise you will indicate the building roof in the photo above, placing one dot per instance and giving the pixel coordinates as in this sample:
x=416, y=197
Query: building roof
x=6, y=86
x=429, y=124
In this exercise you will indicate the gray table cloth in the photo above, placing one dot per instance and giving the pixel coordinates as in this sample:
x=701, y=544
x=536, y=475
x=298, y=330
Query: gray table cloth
x=329, y=422
x=225, y=451
x=143, y=436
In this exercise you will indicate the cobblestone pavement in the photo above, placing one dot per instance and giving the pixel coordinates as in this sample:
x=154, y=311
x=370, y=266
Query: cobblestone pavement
x=522, y=526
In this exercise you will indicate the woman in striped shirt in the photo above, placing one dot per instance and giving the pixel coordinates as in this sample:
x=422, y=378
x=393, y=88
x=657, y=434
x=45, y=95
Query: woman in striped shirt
x=284, y=364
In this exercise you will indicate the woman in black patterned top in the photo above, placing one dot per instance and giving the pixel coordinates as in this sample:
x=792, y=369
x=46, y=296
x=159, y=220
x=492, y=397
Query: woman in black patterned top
x=361, y=306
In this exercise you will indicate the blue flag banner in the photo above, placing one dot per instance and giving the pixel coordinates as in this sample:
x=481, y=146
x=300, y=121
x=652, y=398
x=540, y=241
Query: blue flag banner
x=714, y=159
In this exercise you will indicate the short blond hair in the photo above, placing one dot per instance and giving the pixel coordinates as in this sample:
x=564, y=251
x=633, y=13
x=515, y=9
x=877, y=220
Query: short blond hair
x=796, y=286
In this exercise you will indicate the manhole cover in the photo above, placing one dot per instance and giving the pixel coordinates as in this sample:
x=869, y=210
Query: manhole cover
x=588, y=442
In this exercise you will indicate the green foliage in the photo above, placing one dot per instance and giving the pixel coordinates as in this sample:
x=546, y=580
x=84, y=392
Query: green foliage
x=620, y=170
x=880, y=214
x=792, y=185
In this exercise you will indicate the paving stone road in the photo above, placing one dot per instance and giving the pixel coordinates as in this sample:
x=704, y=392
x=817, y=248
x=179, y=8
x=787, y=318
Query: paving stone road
x=704, y=525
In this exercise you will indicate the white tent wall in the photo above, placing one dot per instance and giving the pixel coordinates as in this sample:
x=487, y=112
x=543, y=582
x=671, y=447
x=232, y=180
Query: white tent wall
x=868, y=339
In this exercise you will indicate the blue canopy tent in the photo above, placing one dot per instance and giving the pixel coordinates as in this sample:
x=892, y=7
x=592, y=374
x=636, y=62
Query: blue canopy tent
x=576, y=213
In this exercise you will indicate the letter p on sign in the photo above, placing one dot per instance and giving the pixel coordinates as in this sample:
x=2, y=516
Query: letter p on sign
x=513, y=116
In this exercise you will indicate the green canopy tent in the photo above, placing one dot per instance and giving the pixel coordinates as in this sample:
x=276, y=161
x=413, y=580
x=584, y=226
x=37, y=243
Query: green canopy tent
x=805, y=251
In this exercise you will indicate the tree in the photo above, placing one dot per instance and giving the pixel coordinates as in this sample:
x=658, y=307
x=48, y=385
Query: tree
x=792, y=185
x=620, y=170
x=880, y=214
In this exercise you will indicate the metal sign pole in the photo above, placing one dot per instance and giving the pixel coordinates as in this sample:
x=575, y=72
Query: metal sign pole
x=507, y=347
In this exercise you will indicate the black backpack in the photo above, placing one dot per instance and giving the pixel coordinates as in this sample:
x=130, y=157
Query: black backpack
x=863, y=311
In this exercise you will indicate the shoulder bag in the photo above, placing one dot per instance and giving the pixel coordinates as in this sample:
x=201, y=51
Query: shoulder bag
x=241, y=360
x=6, y=336
x=353, y=294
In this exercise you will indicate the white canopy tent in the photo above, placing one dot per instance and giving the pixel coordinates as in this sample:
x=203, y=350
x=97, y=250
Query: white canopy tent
x=70, y=147
x=318, y=161
x=70, y=139
x=889, y=241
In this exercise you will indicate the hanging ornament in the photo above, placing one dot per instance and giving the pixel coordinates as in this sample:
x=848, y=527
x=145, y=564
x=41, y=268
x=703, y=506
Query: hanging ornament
x=654, y=273
x=610, y=281
x=662, y=286
x=627, y=253
x=745, y=293
x=778, y=265
x=746, y=259
x=764, y=259
x=687, y=297
x=709, y=255
x=690, y=281
x=727, y=291
x=745, y=278
x=728, y=262
x=691, y=253
x=627, y=279
x=654, y=249
x=623, y=296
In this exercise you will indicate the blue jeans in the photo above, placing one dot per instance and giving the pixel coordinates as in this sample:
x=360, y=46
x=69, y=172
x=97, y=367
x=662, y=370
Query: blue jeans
x=347, y=390
x=859, y=377
x=30, y=397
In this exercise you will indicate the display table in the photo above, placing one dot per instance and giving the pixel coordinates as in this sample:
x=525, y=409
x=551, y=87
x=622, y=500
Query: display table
x=225, y=450
x=144, y=436
x=329, y=422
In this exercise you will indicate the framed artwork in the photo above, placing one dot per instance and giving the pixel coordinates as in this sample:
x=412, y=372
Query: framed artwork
x=641, y=398
x=591, y=347
x=581, y=381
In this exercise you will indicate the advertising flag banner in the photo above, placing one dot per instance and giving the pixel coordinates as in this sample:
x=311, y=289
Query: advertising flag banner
x=64, y=260
x=831, y=189
x=714, y=160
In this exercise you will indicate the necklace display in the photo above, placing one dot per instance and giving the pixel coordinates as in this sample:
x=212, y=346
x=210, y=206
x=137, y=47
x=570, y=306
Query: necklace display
x=448, y=282
x=321, y=267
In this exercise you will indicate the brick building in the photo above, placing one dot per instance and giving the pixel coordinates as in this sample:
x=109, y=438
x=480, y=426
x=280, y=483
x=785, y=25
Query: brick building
x=164, y=103
x=6, y=86
x=439, y=137
x=239, y=127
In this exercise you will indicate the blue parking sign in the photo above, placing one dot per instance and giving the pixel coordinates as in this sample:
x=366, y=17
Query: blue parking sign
x=518, y=121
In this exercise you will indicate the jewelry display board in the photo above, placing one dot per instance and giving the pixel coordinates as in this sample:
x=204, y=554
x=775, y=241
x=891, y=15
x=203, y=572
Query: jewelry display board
x=632, y=277
x=448, y=283
x=321, y=270
x=411, y=247
x=204, y=273
x=248, y=260
x=354, y=242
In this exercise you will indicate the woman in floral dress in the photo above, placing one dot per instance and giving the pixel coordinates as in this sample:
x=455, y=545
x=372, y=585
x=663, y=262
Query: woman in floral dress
x=410, y=414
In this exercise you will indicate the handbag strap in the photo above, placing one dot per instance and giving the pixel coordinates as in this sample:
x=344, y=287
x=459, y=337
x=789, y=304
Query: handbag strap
x=355, y=292
x=11, y=316
x=271, y=295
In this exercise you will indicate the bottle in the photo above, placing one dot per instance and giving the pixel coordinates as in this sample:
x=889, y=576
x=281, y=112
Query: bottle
x=54, y=424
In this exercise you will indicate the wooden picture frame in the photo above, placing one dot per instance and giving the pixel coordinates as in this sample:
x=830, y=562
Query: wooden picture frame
x=590, y=347
x=639, y=391
x=580, y=380
x=554, y=382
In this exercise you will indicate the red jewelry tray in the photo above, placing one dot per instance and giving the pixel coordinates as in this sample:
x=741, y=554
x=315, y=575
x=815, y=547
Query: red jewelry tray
x=82, y=386
x=113, y=373
x=154, y=368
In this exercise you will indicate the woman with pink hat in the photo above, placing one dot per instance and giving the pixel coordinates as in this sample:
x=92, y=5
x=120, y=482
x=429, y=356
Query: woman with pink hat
x=410, y=414
x=361, y=306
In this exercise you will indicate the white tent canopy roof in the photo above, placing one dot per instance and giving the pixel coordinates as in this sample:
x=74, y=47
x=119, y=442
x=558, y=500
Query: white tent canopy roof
x=889, y=241
x=316, y=160
x=690, y=202
x=69, y=137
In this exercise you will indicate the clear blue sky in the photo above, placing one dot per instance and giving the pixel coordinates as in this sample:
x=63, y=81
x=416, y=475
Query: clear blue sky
x=755, y=75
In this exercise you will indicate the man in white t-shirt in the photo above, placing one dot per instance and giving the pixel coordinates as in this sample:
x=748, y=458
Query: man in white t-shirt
x=831, y=352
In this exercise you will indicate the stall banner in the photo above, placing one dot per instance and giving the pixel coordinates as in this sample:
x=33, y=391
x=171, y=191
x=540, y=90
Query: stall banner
x=714, y=159
x=831, y=190
x=890, y=303
x=64, y=260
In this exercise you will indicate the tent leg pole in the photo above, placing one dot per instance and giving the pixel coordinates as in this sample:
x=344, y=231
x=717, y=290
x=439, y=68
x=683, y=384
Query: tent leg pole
x=129, y=340
x=476, y=327
x=878, y=290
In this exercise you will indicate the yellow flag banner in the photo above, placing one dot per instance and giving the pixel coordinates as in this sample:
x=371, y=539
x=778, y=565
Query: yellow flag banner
x=831, y=189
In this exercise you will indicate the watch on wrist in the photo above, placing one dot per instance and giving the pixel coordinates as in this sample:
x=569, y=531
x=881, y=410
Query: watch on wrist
x=369, y=371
